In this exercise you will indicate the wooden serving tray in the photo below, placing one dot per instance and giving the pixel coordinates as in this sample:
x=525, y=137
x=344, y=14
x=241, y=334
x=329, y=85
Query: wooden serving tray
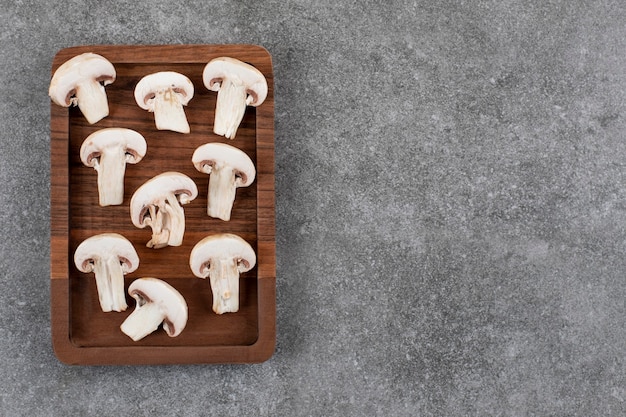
x=81, y=332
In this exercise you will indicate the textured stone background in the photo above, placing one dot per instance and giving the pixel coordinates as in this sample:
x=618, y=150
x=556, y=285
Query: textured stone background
x=451, y=209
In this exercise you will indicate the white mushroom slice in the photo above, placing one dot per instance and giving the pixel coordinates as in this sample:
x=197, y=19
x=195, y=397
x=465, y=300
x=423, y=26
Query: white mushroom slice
x=229, y=168
x=238, y=85
x=158, y=204
x=157, y=302
x=108, y=151
x=222, y=257
x=165, y=93
x=109, y=256
x=80, y=81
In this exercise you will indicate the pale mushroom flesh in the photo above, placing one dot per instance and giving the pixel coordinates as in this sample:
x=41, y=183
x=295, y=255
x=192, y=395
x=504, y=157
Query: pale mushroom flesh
x=222, y=258
x=238, y=85
x=165, y=93
x=80, y=81
x=158, y=204
x=108, y=151
x=229, y=168
x=109, y=256
x=157, y=303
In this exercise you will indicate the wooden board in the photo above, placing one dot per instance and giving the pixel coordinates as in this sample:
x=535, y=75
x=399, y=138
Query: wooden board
x=81, y=332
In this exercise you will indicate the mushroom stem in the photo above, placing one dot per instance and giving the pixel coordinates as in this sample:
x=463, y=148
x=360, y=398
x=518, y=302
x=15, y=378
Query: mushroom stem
x=167, y=221
x=144, y=320
x=102, y=285
x=224, y=276
x=157, y=222
x=116, y=285
x=110, y=284
x=92, y=100
x=222, y=191
x=176, y=220
x=111, y=168
x=230, y=107
x=169, y=113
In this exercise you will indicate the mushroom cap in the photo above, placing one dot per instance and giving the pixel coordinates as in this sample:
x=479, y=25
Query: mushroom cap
x=217, y=154
x=156, y=189
x=133, y=142
x=81, y=68
x=221, y=246
x=102, y=246
x=220, y=68
x=163, y=80
x=170, y=301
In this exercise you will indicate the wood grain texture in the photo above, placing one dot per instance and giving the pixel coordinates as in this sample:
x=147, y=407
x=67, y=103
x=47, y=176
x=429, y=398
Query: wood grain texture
x=81, y=332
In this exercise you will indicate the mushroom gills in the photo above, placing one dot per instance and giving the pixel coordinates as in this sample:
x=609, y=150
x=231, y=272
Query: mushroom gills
x=224, y=277
x=110, y=284
x=92, y=100
x=232, y=99
x=145, y=319
x=168, y=111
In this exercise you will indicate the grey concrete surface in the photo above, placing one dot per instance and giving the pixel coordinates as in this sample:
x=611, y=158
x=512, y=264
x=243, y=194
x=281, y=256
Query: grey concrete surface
x=451, y=209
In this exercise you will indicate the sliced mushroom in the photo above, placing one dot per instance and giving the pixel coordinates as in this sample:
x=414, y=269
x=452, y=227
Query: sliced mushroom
x=108, y=151
x=229, y=168
x=158, y=204
x=222, y=257
x=157, y=302
x=80, y=81
x=109, y=256
x=165, y=93
x=238, y=85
